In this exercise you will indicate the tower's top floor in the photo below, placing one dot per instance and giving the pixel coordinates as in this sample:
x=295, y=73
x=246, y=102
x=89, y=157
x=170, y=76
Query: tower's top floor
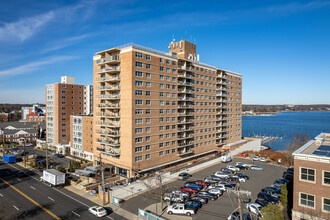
x=184, y=49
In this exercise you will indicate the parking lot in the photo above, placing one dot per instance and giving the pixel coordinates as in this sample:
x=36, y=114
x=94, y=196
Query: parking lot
x=222, y=207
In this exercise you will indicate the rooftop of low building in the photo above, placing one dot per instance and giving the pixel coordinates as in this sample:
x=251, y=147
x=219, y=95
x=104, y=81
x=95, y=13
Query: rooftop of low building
x=318, y=147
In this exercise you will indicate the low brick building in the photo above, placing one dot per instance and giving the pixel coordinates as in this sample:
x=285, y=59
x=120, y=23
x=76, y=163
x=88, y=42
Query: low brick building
x=311, y=192
x=20, y=132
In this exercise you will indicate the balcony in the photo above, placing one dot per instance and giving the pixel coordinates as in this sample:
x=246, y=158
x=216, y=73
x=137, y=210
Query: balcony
x=185, y=144
x=185, y=98
x=185, y=152
x=108, y=97
x=113, y=106
x=185, y=90
x=113, y=69
x=107, y=133
x=102, y=88
x=182, y=75
x=100, y=114
x=112, y=59
x=185, y=122
x=182, y=137
x=108, y=79
x=108, y=124
x=185, y=83
x=109, y=152
x=108, y=142
x=185, y=129
x=185, y=106
x=223, y=82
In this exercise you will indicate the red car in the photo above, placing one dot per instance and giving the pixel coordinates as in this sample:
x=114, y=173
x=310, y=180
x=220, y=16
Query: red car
x=189, y=190
x=201, y=183
x=244, y=155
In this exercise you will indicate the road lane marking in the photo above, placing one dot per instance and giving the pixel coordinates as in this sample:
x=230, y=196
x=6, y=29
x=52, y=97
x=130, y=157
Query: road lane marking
x=18, y=179
x=33, y=187
x=16, y=208
x=31, y=200
x=76, y=213
x=1, y=195
x=50, y=198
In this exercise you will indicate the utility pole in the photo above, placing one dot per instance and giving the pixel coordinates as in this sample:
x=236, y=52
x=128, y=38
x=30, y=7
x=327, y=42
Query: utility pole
x=46, y=155
x=102, y=172
x=24, y=154
x=239, y=206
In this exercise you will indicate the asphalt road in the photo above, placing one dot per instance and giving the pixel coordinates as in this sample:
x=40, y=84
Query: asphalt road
x=224, y=206
x=28, y=198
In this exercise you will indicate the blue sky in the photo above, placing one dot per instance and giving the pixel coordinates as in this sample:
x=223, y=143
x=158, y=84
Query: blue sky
x=280, y=47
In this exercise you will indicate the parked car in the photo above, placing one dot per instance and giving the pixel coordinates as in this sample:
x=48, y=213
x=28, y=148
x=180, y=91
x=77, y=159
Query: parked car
x=282, y=181
x=290, y=169
x=255, y=158
x=277, y=186
x=98, y=211
x=267, y=197
x=254, y=208
x=262, y=202
x=244, y=155
x=193, y=203
x=217, y=178
x=210, y=180
x=225, y=159
x=274, y=189
x=203, y=200
x=219, y=186
x=181, y=210
x=180, y=193
x=221, y=174
x=173, y=198
x=242, y=176
x=60, y=155
x=202, y=183
x=256, y=167
x=227, y=171
x=216, y=191
x=263, y=159
x=237, y=178
x=233, y=168
x=241, y=164
x=95, y=190
x=273, y=193
x=193, y=186
x=184, y=176
x=208, y=195
x=242, y=167
x=236, y=216
x=189, y=190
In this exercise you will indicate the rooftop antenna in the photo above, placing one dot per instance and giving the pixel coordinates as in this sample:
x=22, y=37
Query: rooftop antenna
x=173, y=39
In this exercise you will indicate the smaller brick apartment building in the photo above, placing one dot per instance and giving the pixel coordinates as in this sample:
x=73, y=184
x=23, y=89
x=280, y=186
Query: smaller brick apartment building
x=311, y=190
x=19, y=132
x=81, y=136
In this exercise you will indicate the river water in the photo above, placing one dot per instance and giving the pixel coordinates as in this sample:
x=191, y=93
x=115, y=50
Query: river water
x=286, y=125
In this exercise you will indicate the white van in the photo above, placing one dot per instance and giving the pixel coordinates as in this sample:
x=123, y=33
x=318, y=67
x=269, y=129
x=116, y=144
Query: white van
x=225, y=159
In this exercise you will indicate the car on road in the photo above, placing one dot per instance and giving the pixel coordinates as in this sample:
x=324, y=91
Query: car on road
x=98, y=211
x=189, y=190
x=192, y=203
x=193, y=185
x=255, y=158
x=180, y=209
x=267, y=197
x=208, y=195
x=184, y=176
x=60, y=155
x=254, y=208
x=236, y=216
x=203, y=200
x=233, y=168
x=20, y=173
x=256, y=167
x=221, y=174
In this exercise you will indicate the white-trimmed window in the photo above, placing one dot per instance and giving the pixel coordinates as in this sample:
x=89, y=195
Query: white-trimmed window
x=138, y=83
x=138, y=111
x=148, y=57
x=138, y=130
x=307, y=174
x=326, y=204
x=147, y=156
x=307, y=200
x=138, y=64
x=138, y=92
x=138, y=121
x=138, y=158
x=138, y=149
x=138, y=54
x=138, y=140
x=138, y=74
x=326, y=178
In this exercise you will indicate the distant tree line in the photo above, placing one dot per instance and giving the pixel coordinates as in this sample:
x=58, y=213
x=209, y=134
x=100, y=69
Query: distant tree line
x=276, y=108
x=7, y=108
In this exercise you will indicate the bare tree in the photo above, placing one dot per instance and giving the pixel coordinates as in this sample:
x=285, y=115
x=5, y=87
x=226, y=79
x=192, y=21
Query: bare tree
x=298, y=141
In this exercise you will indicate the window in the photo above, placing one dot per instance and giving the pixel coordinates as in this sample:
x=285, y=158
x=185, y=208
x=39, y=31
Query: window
x=147, y=93
x=138, y=83
x=326, y=177
x=161, y=85
x=161, y=153
x=138, y=54
x=148, y=66
x=147, y=147
x=161, y=94
x=147, y=129
x=138, y=149
x=161, y=60
x=138, y=140
x=138, y=111
x=161, y=68
x=138, y=92
x=168, y=62
x=161, y=77
x=326, y=204
x=307, y=174
x=148, y=57
x=161, y=102
x=306, y=200
x=137, y=131
x=138, y=102
x=173, y=62
x=148, y=84
x=147, y=111
x=138, y=64
x=147, y=120
x=138, y=73
x=147, y=156
x=138, y=158
x=147, y=138
x=138, y=121
x=148, y=75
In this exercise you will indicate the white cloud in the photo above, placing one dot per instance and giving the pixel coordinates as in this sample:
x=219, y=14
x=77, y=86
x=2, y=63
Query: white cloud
x=29, y=67
x=24, y=28
x=65, y=43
